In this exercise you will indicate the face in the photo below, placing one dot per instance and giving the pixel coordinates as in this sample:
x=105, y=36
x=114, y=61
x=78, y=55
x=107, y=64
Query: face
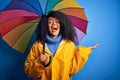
x=53, y=27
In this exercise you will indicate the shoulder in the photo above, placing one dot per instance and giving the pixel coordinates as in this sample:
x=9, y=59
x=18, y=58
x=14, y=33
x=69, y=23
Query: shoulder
x=36, y=44
x=68, y=43
x=36, y=47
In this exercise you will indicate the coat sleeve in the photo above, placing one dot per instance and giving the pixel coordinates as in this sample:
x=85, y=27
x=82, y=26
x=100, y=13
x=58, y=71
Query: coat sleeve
x=80, y=58
x=33, y=67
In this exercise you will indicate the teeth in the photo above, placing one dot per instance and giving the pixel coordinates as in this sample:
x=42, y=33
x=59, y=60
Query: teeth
x=54, y=29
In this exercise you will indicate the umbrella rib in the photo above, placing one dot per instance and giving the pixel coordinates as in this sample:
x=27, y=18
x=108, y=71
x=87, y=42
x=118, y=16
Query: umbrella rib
x=27, y=17
x=32, y=7
x=70, y=8
x=73, y=8
x=30, y=39
x=10, y=28
x=21, y=10
x=40, y=7
x=6, y=6
x=51, y=7
x=46, y=6
x=28, y=22
x=78, y=18
x=24, y=32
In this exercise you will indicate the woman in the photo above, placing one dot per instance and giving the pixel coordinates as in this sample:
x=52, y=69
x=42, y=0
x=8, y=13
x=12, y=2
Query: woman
x=54, y=56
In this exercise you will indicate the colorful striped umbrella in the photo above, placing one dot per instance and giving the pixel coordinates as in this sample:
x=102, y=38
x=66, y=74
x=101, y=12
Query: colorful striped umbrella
x=19, y=19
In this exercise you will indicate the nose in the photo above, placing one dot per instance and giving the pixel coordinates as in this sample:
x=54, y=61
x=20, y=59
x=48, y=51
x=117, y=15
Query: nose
x=54, y=22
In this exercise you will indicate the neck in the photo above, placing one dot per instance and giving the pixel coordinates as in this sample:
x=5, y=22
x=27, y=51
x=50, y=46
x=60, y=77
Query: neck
x=54, y=39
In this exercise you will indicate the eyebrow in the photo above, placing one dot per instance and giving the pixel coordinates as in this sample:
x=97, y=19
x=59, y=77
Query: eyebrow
x=50, y=19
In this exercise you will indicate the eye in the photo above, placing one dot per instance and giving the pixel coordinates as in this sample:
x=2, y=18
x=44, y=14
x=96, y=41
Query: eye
x=49, y=22
x=57, y=21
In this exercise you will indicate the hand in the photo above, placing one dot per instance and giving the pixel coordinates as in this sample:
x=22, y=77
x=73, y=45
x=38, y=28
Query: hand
x=93, y=47
x=43, y=58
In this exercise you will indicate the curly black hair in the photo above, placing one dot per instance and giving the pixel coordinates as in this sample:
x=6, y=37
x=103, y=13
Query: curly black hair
x=67, y=30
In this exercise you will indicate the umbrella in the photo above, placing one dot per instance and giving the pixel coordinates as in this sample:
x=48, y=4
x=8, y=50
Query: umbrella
x=19, y=18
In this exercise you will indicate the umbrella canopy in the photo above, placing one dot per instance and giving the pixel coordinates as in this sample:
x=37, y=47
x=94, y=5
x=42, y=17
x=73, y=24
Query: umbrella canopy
x=19, y=19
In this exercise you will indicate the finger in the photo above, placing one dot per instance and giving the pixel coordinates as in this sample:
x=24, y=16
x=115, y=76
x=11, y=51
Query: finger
x=97, y=45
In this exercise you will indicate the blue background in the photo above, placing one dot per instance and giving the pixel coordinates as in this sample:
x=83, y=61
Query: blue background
x=103, y=28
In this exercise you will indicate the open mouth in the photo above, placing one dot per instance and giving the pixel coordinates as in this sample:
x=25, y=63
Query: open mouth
x=54, y=29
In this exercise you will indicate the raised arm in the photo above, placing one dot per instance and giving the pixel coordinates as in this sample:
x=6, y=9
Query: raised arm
x=80, y=58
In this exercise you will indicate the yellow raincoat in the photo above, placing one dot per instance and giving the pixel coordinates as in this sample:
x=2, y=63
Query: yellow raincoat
x=67, y=61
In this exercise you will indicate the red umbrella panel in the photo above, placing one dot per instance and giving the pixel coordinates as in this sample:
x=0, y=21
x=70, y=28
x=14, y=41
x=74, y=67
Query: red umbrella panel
x=19, y=18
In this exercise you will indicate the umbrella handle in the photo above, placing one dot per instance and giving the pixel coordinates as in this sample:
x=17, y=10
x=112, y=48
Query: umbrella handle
x=50, y=60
